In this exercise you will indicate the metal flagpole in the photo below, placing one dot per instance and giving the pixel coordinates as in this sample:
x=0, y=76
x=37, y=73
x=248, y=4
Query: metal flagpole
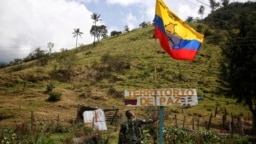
x=161, y=108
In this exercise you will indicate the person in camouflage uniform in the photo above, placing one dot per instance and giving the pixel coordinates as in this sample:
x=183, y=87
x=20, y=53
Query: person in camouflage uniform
x=130, y=130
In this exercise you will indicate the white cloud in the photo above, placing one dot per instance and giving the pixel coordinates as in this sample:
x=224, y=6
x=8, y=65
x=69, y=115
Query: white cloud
x=131, y=20
x=28, y=24
x=124, y=2
x=184, y=10
x=87, y=1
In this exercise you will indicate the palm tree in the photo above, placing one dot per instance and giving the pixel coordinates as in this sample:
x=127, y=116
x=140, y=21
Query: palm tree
x=96, y=18
x=201, y=11
x=77, y=33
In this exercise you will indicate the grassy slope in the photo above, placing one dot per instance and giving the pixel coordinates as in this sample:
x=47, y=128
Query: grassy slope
x=144, y=53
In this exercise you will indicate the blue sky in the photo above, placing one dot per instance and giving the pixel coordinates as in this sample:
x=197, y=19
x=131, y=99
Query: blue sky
x=29, y=24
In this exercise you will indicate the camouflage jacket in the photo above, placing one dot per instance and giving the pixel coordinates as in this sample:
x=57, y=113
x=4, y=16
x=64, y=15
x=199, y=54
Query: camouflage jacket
x=131, y=132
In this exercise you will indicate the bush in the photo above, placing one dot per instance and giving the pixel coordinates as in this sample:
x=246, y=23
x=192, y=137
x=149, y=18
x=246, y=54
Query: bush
x=49, y=87
x=176, y=135
x=114, y=92
x=54, y=97
x=116, y=63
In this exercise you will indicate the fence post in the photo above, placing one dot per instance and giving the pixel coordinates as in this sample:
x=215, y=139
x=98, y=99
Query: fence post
x=176, y=121
x=216, y=111
x=205, y=124
x=230, y=128
x=57, y=125
x=241, y=129
x=193, y=123
x=240, y=126
x=183, y=121
x=232, y=124
x=209, y=123
x=248, y=117
x=32, y=120
x=224, y=120
x=198, y=124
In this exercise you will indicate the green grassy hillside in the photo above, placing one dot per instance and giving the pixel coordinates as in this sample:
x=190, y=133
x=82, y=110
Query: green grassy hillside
x=98, y=75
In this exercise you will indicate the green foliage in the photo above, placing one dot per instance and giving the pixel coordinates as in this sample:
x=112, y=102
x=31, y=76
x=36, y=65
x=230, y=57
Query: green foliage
x=227, y=17
x=61, y=75
x=114, y=92
x=49, y=87
x=99, y=31
x=37, y=54
x=43, y=61
x=115, y=33
x=22, y=135
x=144, y=24
x=41, y=139
x=239, y=69
x=110, y=64
x=54, y=97
x=67, y=60
x=8, y=136
x=179, y=136
x=17, y=68
x=116, y=63
x=95, y=17
x=189, y=19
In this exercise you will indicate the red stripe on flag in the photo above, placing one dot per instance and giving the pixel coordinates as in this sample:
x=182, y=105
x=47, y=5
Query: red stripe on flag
x=130, y=102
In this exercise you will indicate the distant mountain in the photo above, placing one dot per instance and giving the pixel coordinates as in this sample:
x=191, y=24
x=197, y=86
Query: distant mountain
x=3, y=63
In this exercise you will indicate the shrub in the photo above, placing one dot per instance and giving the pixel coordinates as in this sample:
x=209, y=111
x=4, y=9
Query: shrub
x=54, y=97
x=114, y=92
x=176, y=135
x=116, y=63
x=49, y=87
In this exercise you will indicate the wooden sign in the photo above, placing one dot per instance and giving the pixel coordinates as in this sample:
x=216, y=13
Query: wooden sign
x=161, y=97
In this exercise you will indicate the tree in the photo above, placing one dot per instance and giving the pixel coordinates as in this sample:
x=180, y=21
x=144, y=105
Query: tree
x=144, y=24
x=115, y=33
x=225, y=3
x=126, y=28
x=201, y=11
x=190, y=19
x=99, y=31
x=240, y=57
x=16, y=61
x=214, y=4
x=77, y=33
x=96, y=18
x=50, y=45
x=38, y=53
x=103, y=31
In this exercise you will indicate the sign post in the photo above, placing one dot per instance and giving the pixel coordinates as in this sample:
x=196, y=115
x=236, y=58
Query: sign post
x=161, y=124
x=161, y=98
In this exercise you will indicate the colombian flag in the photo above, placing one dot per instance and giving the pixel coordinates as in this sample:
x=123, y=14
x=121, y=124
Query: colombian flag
x=178, y=39
x=130, y=102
